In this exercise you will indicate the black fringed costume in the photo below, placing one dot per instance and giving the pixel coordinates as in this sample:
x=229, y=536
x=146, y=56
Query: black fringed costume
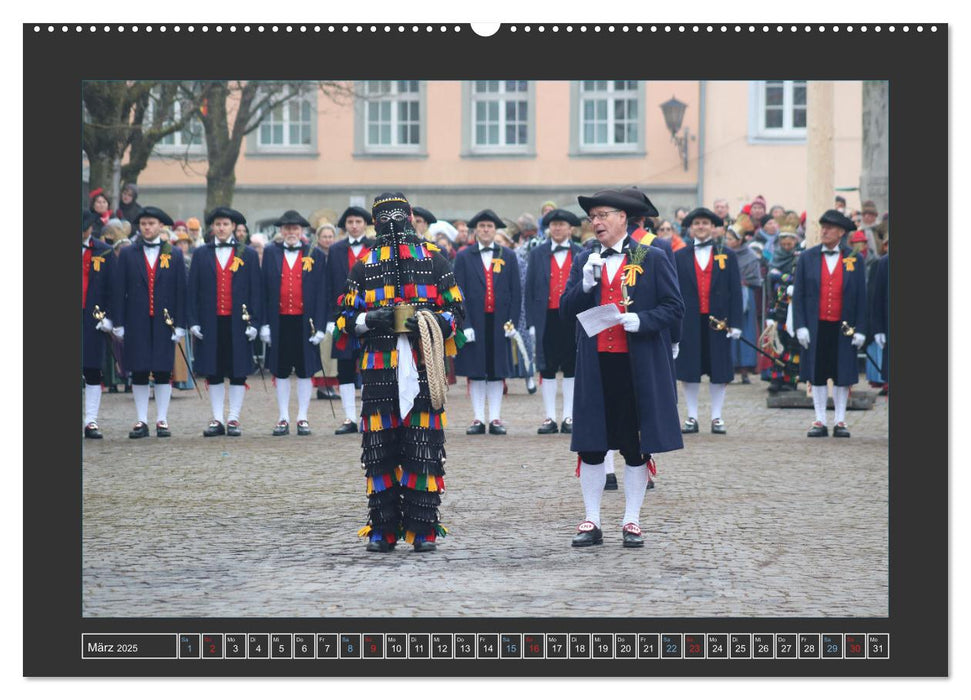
x=403, y=456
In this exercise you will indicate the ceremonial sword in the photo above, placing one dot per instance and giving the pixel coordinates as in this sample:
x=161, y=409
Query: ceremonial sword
x=99, y=316
x=722, y=324
x=849, y=330
x=171, y=324
x=259, y=363
x=313, y=332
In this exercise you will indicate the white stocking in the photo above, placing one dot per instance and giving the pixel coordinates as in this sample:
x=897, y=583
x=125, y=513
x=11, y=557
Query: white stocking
x=592, y=480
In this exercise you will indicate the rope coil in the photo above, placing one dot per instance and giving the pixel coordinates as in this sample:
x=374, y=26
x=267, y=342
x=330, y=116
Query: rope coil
x=433, y=356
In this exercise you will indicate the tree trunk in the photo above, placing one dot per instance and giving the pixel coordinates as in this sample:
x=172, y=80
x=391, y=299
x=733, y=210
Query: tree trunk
x=100, y=167
x=219, y=189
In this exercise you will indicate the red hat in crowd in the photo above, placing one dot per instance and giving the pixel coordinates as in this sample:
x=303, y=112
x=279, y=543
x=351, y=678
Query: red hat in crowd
x=95, y=192
x=858, y=237
x=802, y=218
x=747, y=209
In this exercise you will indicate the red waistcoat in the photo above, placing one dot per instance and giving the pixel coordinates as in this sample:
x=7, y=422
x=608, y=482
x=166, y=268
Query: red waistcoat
x=85, y=266
x=831, y=291
x=351, y=258
x=150, y=269
x=558, y=278
x=704, y=285
x=224, y=286
x=490, y=301
x=614, y=339
x=291, y=287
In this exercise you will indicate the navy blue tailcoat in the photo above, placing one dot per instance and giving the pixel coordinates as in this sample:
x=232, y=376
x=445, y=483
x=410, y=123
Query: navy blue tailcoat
x=537, y=291
x=315, y=288
x=724, y=302
x=201, y=308
x=805, y=310
x=470, y=277
x=100, y=272
x=337, y=270
x=880, y=311
x=657, y=302
x=148, y=340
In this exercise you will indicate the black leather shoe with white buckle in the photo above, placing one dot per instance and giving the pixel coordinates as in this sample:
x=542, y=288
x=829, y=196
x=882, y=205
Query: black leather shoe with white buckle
x=839, y=430
x=233, y=429
x=718, y=426
x=496, y=428
x=281, y=428
x=587, y=534
x=817, y=430
x=690, y=425
x=162, y=429
x=632, y=536
x=477, y=428
x=548, y=427
x=139, y=431
x=92, y=431
x=215, y=428
x=347, y=427
x=567, y=426
x=303, y=427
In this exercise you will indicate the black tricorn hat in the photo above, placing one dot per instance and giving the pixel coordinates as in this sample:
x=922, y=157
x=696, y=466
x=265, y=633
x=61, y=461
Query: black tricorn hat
x=486, y=215
x=634, y=193
x=701, y=213
x=425, y=214
x=355, y=211
x=152, y=213
x=291, y=216
x=560, y=215
x=88, y=219
x=831, y=216
x=615, y=199
x=225, y=213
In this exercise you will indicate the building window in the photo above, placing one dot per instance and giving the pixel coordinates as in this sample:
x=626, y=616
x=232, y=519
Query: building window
x=500, y=114
x=778, y=110
x=189, y=139
x=287, y=124
x=609, y=115
x=392, y=116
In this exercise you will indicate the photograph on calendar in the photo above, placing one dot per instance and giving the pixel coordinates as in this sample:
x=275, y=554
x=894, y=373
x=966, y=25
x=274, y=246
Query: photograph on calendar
x=485, y=348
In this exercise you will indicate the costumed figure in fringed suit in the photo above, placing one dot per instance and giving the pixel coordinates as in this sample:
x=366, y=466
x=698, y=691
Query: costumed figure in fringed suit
x=401, y=310
x=779, y=340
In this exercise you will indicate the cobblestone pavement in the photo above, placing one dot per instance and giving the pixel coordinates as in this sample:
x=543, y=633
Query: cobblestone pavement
x=759, y=522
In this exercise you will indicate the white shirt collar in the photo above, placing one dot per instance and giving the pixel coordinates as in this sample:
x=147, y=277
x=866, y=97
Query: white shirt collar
x=618, y=246
x=87, y=241
x=355, y=241
x=553, y=243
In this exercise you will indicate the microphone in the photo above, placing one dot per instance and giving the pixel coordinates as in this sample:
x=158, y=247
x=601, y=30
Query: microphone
x=596, y=273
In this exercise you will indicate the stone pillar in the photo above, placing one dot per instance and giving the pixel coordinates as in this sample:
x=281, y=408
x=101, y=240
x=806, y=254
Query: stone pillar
x=875, y=173
x=820, y=171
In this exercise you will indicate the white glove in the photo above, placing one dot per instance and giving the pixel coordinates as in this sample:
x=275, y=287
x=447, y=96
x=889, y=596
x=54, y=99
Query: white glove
x=789, y=290
x=469, y=335
x=769, y=322
x=330, y=328
x=881, y=339
x=802, y=335
x=178, y=334
x=631, y=322
x=104, y=325
x=594, y=261
x=196, y=331
x=317, y=337
x=250, y=332
x=675, y=349
x=510, y=333
x=858, y=340
x=532, y=331
x=118, y=332
x=265, y=334
x=734, y=333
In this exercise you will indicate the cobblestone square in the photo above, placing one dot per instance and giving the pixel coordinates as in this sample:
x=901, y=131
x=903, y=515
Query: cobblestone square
x=760, y=522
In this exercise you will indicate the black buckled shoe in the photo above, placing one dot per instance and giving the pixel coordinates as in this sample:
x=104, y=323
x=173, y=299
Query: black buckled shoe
x=425, y=546
x=233, y=429
x=92, y=431
x=496, y=428
x=650, y=483
x=587, y=534
x=215, y=428
x=817, y=430
x=632, y=536
x=718, y=426
x=549, y=427
x=162, y=429
x=140, y=430
x=303, y=427
x=611, y=483
x=839, y=430
x=567, y=426
x=382, y=546
x=477, y=428
x=347, y=427
x=690, y=425
x=281, y=428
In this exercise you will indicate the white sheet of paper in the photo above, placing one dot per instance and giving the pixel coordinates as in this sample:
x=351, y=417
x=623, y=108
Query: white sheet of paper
x=599, y=318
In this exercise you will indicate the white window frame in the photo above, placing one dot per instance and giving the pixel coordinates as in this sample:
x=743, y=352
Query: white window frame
x=197, y=147
x=393, y=97
x=611, y=94
x=502, y=97
x=758, y=131
x=256, y=146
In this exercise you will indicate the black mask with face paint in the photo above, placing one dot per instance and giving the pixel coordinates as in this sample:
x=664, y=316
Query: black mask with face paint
x=392, y=215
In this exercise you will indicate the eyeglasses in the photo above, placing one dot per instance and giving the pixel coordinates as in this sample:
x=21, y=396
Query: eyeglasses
x=603, y=215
